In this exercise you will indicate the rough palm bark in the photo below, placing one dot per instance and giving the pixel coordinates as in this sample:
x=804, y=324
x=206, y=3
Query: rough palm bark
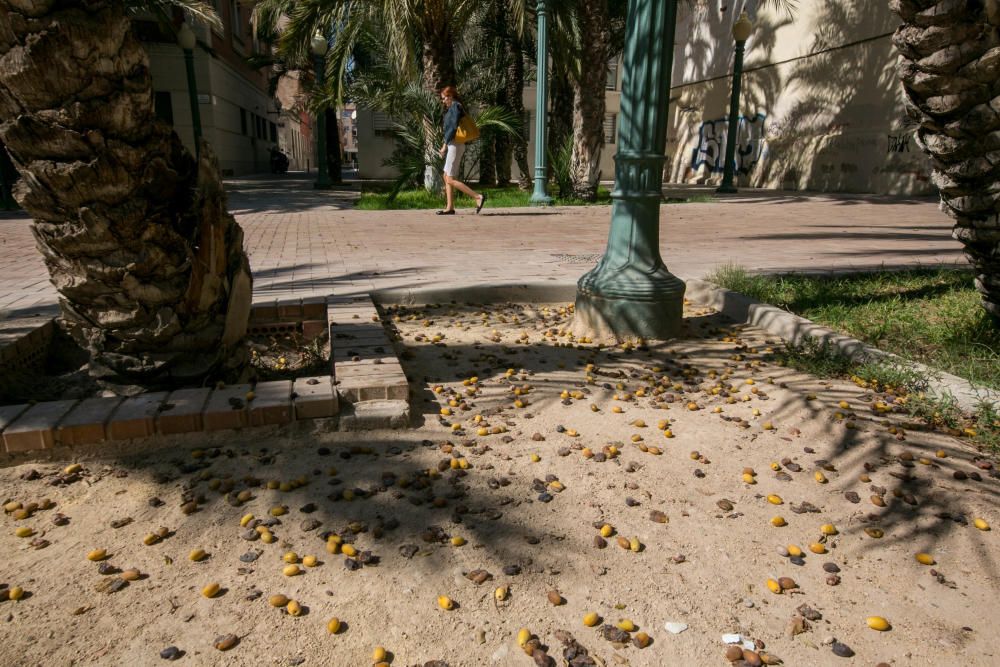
x=588, y=85
x=504, y=156
x=561, y=101
x=149, y=266
x=950, y=70
x=487, y=157
x=334, y=148
x=438, y=71
x=514, y=98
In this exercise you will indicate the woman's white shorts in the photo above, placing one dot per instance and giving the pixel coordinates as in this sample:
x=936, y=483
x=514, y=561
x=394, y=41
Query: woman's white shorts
x=452, y=159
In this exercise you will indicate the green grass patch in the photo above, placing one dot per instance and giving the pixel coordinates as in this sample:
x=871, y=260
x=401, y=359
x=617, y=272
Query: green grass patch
x=934, y=317
x=376, y=198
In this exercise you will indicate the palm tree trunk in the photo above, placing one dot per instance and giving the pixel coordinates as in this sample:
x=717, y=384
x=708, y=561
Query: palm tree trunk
x=515, y=101
x=504, y=154
x=149, y=266
x=438, y=62
x=949, y=70
x=487, y=158
x=561, y=115
x=588, y=98
x=334, y=149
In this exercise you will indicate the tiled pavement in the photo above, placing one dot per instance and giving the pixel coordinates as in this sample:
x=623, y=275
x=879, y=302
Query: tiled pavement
x=307, y=243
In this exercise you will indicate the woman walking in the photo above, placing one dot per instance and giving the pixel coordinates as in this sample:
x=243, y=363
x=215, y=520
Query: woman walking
x=452, y=153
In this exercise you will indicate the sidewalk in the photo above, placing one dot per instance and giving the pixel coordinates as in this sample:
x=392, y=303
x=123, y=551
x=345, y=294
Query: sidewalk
x=304, y=242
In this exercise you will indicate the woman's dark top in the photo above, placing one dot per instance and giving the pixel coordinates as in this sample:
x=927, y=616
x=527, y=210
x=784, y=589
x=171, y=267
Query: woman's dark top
x=451, y=118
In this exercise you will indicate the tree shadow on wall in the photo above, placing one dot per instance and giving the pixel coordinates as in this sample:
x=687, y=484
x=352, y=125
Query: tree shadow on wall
x=846, y=102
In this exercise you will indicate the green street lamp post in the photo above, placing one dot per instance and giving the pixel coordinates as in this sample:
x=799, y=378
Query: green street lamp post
x=630, y=293
x=187, y=40
x=319, y=48
x=540, y=197
x=741, y=32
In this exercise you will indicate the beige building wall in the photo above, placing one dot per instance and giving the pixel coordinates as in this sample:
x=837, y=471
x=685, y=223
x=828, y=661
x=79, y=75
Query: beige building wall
x=821, y=106
x=222, y=94
x=349, y=131
x=375, y=144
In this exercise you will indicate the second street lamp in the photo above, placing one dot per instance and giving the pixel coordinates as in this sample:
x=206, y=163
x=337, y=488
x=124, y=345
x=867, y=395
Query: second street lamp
x=319, y=47
x=540, y=197
x=186, y=40
x=741, y=32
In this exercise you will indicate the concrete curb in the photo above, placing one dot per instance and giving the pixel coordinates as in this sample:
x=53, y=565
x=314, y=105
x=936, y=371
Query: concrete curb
x=794, y=329
x=548, y=292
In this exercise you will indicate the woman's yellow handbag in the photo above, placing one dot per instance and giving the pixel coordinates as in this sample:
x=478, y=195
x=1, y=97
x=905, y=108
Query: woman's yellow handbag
x=467, y=130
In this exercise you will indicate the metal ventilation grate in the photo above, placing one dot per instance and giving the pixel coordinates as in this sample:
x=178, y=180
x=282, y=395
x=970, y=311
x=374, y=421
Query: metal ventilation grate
x=579, y=259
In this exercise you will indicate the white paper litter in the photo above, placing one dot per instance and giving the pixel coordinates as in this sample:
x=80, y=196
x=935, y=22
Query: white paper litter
x=675, y=628
x=738, y=639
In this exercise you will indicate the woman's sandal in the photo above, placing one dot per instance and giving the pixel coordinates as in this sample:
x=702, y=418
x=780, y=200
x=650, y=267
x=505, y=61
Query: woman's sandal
x=482, y=202
x=451, y=212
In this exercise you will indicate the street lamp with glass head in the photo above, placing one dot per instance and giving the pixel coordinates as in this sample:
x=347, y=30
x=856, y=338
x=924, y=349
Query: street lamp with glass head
x=319, y=46
x=187, y=41
x=742, y=29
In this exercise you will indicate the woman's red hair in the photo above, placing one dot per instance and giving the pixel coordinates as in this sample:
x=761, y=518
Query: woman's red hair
x=450, y=91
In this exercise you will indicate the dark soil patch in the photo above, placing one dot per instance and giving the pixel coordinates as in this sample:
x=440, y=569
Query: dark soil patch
x=286, y=356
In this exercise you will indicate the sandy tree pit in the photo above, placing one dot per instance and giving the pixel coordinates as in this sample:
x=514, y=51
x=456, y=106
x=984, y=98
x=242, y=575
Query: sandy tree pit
x=491, y=495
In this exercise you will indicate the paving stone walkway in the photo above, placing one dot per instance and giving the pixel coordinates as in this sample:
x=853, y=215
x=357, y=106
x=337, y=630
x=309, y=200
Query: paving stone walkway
x=307, y=243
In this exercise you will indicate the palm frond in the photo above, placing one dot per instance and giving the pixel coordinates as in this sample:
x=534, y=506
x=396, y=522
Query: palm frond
x=789, y=6
x=197, y=9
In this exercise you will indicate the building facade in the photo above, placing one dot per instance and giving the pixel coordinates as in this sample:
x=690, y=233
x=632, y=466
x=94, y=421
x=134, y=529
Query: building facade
x=821, y=106
x=239, y=116
x=349, y=134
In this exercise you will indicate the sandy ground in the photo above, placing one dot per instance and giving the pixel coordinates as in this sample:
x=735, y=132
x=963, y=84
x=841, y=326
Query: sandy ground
x=707, y=566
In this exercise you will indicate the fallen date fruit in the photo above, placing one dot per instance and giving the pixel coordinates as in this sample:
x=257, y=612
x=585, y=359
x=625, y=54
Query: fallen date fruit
x=842, y=650
x=613, y=634
x=478, y=576
x=170, y=653
x=225, y=642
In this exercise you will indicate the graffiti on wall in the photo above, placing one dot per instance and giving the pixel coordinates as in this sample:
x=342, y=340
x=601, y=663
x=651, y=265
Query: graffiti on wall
x=899, y=143
x=711, y=146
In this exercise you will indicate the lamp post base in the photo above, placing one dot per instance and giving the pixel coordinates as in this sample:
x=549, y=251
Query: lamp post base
x=320, y=185
x=629, y=304
x=541, y=199
x=726, y=189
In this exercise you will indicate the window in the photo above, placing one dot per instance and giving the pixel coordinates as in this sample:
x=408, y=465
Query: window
x=382, y=123
x=612, y=83
x=236, y=16
x=610, y=127
x=163, y=106
x=243, y=121
x=274, y=133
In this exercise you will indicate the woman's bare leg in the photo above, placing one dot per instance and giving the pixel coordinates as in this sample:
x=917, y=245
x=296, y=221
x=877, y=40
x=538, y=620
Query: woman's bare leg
x=464, y=188
x=448, y=194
